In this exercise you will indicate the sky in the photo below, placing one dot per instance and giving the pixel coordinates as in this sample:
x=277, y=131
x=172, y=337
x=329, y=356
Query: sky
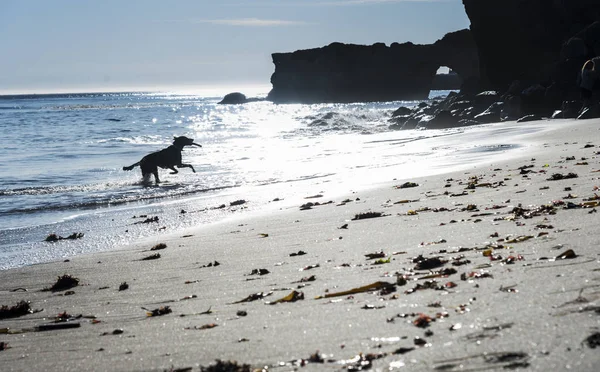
x=118, y=45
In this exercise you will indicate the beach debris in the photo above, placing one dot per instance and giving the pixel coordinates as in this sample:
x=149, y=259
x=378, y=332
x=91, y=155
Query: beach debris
x=254, y=297
x=63, y=283
x=158, y=247
x=20, y=309
x=263, y=235
x=292, y=297
x=423, y=263
x=475, y=275
x=568, y=254
x=560, y=176
x=344, y=226
x=163, y=310
x=54, y=238
x=384, y=286
x=366, y=215
x=406, y=185
x=361, y=362
x=423, y=320
x=259, y=272
x=403, y=350
x=311, y=278
x=155, y=256
x=299, y=253
x=488, y=332
x=593, y=340
x=237, y=202
x=371, y=256
x=147, y=220
x=382, y=261
x=429, y=284
x=310, y=267
x=118, y=331
x=519, y=239
x=56, y=326
x=4, y=346
x=226, y=366
x=210, y=264
x=203, y=327
x=124, y=286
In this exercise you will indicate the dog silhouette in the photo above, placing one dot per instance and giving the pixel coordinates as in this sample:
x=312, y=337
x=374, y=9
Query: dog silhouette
x=168, y=158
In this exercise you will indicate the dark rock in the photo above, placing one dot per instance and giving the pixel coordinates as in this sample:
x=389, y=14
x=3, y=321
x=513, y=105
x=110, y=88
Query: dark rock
x=402, y=111
x=522, y=40
x=235, y=98
x=238, y=98
x=442, y=120
x=449, y=81
x=358, y=73
x=491, y=114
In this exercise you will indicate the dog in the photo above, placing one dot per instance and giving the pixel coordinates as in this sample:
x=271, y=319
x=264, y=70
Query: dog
x=168, y=158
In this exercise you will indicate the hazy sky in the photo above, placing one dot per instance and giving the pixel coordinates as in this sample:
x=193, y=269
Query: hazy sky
x=81, y=45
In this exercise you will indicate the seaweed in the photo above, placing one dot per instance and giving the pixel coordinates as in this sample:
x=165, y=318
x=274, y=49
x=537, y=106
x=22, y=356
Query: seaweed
x=163, y=310
x=427, y=263
x=20, y=309
x=568, y=254
x=226, y=366
x=367, y=288
x=593, y=340
x=299, y=253
x=366, y=215
x=54, y=238
x=124, y=286
x=254, y=297
x=559, y=176
x=292, y=297
x=406, y=185
x=63, y=283
x=158, y=247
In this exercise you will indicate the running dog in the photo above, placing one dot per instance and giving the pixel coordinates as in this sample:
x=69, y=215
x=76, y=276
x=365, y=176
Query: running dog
x=165, y=158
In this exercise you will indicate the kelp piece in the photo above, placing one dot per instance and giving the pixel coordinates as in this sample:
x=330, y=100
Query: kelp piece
x=54, y=238
x=428, y=263
x=366, y=215
x=229, y=366
x=254, y=297
x=367, y=288
x=406, y=185
x=158, y=247
x=20, y=309
x=559, y=176
x=63, y=283
x=371, y=256
x=124, y=286
x=163, y=310
x=519, y=239
x=292, y=297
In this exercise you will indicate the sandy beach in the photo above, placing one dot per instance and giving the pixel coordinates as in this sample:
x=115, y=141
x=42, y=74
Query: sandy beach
x=492, y=268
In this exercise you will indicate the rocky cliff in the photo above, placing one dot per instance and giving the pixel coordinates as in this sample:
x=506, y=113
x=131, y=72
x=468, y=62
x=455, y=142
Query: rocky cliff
x=359, y=73
x=533, y=41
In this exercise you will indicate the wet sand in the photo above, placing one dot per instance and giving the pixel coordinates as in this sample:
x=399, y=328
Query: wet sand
x=492, y=268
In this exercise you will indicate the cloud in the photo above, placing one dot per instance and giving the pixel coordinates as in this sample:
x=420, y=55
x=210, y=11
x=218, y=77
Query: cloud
x=250, y=22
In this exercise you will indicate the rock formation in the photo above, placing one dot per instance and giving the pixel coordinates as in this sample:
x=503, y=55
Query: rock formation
x=532, y=41
x=359, y=73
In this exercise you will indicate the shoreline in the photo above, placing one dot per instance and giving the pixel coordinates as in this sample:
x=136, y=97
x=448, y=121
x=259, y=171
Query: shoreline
x=517, y=298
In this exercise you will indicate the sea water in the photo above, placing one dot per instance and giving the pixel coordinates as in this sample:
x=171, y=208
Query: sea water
x=62, y=157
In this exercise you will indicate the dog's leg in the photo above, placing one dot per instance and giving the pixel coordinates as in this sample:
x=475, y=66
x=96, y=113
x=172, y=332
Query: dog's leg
x=156, y=176
x=175, y=171
x=187, y=166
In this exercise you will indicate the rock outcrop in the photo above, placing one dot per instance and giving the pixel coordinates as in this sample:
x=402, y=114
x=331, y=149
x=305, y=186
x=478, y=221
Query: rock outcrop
x=533, y=41
x=345, y=73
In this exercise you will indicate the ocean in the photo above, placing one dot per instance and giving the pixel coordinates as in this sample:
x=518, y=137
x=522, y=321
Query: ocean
x=62, y=158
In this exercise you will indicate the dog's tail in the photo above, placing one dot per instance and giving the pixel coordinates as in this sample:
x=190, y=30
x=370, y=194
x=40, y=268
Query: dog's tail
x=131, y=166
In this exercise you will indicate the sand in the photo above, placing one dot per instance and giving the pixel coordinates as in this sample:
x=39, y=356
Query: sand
x=518, y=299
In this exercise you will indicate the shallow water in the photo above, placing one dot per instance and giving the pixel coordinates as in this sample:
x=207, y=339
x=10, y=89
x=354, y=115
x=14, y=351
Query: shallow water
x=63, y=158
